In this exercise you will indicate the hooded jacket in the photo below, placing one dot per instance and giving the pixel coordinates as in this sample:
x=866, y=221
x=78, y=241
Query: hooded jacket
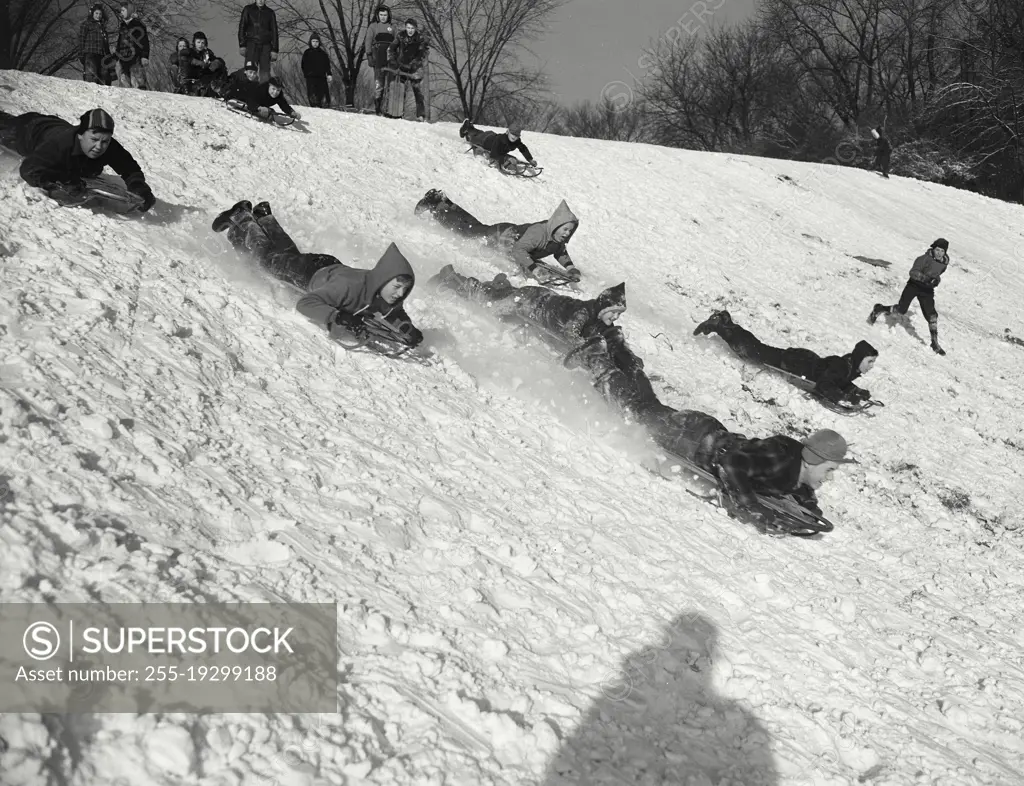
x=408, y=52
x=92, y=35
x=379, y=36
x=53, y=155
x=833, y=375
x=536, y=241
x=259, y=26
x=927, y=270
x=315, y=62
x=353, y=291
x=132, y=40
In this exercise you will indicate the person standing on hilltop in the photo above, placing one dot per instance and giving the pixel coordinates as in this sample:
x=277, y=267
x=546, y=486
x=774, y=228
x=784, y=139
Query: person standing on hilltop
x=379, y=37
x=316, y=67
x=883, y=152
x=257, y=36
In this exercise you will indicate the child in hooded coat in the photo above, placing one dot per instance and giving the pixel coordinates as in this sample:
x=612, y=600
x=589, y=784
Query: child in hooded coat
x=526, y=244
x=832, y=376
x=338, y=297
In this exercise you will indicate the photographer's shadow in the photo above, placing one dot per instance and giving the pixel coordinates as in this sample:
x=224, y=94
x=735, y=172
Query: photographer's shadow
x=660, y=721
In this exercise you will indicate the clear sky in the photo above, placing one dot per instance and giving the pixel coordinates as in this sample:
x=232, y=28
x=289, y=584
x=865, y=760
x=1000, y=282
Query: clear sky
x=591, y=43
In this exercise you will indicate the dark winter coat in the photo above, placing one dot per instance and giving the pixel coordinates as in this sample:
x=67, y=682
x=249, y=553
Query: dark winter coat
x=236, y=81
x=536, y=241
x=181, y=62
x=92, y=37
x=379, y=36
x=132, y=41
x=833, y=375
x=408, y=52
x=498, y=145
x=927, y=270
x=763, y=466
x=53, y=155
x=205, y=63
x=882, y=145
x=315, y=62
x=258, y=25
x=340, y=288
x=257, y=94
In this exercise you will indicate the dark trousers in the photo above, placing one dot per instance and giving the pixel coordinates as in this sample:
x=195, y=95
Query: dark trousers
x=318, y=91
x=92, y=66
x=462, y=222
x=794, y=360
x=276, y=252
x=260, y=55
x=915, y=291
x=882, y=163
x=694, y=436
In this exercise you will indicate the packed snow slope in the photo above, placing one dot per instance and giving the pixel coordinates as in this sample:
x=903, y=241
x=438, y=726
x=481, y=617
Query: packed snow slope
x=521, y=600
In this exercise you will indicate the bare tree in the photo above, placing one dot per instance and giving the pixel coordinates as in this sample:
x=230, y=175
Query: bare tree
x=605, y=120
x=42, y=35
x=479, y=44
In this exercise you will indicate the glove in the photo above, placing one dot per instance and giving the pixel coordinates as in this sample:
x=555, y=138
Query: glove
x=264, y=112
x=351, y=323
x=573, y=273
x=329, y=79
x=148, y=200
x=860, y=395
x=273, y=57
x=933, y=281
x=296, y=114
x=414, y=336
x=803, y=497
x=532, y=162
x=241, y=51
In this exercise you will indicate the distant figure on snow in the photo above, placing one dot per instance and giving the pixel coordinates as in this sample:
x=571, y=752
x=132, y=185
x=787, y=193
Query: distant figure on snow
x=257, y=36
x=925, y=275
x=379, y=37
x=338, y=297
x=93, y=44
x=883, y=152
x=132, y=49
x=58, y=155
x=316, y=67
x=526, y=244
x=497, y=146
x=832, y=376
x=407, y=54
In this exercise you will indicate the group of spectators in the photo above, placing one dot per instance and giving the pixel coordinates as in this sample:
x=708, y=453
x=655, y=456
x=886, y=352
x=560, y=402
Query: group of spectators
x=396, y=55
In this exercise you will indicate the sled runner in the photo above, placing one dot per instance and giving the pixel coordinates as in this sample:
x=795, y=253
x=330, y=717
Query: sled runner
x=110, y=192
x=791, y=518
x=838, y=407
x=509, y=165
x=557, y=278
x=275, y=119
x=376, y=335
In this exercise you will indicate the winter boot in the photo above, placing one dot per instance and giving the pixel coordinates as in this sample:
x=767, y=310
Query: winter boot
x=377, y=104
x=876, y=312
x=431, y=200
x=262, y=209
x=443, y=278
x=712, y=323
x=233, y=215
x=934, y=329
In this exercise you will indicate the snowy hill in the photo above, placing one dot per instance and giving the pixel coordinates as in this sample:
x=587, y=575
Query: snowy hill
x=518, y=595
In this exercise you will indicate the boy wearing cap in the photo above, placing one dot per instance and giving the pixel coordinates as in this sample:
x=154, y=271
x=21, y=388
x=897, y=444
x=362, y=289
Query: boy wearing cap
x=526, y=244
x=925, y=275
x=407, y=54
x=316, y=67
x=497, y=146
x=59, y=156
x=778, y=466
x=338, y=297
x=832, y=376
x=238, y=79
